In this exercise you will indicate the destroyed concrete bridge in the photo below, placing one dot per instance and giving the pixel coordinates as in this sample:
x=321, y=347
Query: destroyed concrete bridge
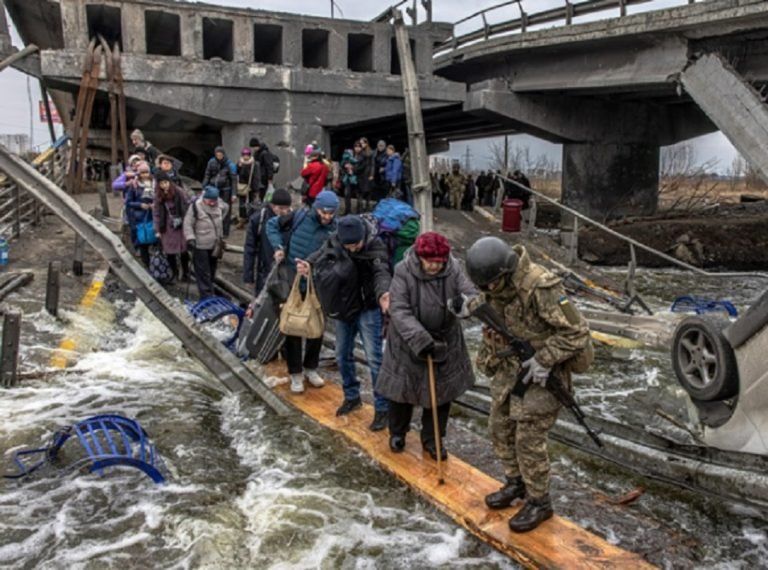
x=612, y=91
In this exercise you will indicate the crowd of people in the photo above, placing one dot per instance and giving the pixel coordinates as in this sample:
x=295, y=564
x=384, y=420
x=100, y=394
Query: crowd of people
x=414, y=292
x=463, y=191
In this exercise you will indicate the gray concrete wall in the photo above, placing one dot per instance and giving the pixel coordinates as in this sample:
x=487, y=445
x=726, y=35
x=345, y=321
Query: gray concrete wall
x=285, y=140
x=608, y=181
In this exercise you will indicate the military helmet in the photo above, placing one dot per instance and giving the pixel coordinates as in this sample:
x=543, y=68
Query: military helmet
x=488, y=259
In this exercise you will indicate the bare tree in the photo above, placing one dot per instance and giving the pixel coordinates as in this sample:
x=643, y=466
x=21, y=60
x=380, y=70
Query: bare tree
x=685, y=185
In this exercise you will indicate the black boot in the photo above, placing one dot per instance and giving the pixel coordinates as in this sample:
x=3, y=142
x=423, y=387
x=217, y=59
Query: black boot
x=379, y=421
x=512, y=490
x=431, y=447
x=397, y=443
x=534, y=512
x=348, y=406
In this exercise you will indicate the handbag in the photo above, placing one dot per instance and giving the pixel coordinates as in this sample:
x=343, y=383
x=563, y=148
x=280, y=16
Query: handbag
x=278, y=284
x=243, y=187
x=302, y=317
x=145, y=232
x=159, y=267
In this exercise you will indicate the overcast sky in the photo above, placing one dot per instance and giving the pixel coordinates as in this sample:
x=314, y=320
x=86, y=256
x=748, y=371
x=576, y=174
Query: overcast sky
x=15, y=107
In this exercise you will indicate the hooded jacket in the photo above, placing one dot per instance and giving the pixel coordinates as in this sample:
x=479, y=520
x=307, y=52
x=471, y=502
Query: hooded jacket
x=419, y=316
x=220, y=173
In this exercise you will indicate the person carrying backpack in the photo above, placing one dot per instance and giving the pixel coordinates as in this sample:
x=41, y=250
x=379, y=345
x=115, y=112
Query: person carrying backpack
x=309, y=228
x=352, y=277
x=267, y=161
x=203, y=227
x=221, y=173
x=259, y=253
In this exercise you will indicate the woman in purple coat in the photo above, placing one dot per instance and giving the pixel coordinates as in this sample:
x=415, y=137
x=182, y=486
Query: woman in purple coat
x=168, y=211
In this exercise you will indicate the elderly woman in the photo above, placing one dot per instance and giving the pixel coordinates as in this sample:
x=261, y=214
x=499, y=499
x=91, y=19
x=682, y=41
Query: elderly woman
x=421, y=325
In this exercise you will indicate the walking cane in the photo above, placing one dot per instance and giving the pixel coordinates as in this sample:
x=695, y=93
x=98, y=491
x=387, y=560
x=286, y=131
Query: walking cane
x=433, y=399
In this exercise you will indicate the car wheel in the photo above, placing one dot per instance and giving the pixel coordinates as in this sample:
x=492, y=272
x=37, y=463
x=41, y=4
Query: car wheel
x=704, y=362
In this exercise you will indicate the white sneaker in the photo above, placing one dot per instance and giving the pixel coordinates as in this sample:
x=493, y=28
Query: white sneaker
x=297, y=383
x=314, y=378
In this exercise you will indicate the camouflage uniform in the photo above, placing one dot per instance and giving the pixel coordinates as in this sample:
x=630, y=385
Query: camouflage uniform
x=536, y=309
x=456, y=183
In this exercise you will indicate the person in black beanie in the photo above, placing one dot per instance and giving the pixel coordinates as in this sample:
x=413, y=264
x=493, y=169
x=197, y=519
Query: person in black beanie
x=264, y=158
x=352, y=277
x=259, y=253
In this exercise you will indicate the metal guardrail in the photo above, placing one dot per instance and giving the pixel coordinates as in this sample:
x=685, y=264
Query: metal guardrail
x=19, y=209
x=565, y=13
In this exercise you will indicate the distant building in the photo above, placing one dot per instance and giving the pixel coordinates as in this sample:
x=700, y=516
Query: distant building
x=17, y=144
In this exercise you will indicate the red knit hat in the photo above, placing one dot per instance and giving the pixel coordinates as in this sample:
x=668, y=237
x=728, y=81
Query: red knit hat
x=432, y=246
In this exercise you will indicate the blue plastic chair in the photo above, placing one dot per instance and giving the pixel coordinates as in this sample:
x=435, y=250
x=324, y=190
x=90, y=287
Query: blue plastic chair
x=214, y=308
x=108, y=440
x=701, y=305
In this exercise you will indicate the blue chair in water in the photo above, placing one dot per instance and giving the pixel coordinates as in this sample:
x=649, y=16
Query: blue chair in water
x=213, y=309
x=701, y=305
x=108, y=440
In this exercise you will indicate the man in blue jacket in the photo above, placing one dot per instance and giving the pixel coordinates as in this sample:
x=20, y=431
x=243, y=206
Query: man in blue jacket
x=308, y=230
x=393, y=172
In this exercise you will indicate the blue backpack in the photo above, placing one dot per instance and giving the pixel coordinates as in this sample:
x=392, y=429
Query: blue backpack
x=390, y=215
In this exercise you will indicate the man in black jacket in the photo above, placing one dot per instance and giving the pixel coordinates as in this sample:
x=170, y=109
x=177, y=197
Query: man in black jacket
x=263, y=156
x=352, y=277
x=259, y=253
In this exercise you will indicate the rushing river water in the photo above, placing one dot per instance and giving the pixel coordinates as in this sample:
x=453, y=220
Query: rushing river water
x=250, y=490
x=247, y=489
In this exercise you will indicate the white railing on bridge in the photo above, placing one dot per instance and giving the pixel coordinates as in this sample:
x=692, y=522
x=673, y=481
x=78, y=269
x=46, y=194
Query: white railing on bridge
x=565, y=14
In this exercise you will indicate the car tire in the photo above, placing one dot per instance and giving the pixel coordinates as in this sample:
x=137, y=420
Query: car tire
x=704, y=362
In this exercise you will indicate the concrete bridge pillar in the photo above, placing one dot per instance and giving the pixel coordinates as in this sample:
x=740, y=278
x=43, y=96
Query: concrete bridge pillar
x=134, y=31
x=191, y=36
x=610, y=180
x=287, y=141
x=74, y=24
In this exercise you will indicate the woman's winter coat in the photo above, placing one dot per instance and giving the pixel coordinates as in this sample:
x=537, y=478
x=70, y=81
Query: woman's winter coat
x=419, y=316
x=168, y=207
x=315, y=174
x=203, y=223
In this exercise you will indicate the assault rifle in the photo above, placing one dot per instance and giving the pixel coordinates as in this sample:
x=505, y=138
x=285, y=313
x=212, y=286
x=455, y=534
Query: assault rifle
x=523, y=350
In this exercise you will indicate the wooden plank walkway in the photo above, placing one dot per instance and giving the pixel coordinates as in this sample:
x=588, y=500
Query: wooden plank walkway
x=557, y=543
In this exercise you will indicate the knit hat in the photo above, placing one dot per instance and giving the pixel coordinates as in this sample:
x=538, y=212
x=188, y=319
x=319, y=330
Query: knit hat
x=220, y=149
x=327, y=200
x=162, y=176
x=309, y=149
x=281, y=197
x=432, y=246
x=133, y=158
x=350, y=229
x=211, y=193
x=163, y=157
x=254, y=142
x=143, y=166
x=246, y=151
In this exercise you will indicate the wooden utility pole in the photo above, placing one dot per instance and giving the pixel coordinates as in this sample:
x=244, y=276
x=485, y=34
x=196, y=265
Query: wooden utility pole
x=417, y=143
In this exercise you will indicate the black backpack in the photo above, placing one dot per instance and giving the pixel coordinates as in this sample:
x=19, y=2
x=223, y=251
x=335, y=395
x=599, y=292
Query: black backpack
x=337, y=283
x=275, y=160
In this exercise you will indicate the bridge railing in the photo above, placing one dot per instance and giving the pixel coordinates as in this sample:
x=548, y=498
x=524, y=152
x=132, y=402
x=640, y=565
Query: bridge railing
x=565, y=14
x=19, y=208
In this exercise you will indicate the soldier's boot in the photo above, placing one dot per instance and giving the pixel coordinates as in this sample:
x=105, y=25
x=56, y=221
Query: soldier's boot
x=535, y=511
x=512, y=490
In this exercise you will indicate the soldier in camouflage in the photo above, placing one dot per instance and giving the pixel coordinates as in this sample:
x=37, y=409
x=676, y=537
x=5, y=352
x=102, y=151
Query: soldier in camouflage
x=535, y=308
x=456, y=183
